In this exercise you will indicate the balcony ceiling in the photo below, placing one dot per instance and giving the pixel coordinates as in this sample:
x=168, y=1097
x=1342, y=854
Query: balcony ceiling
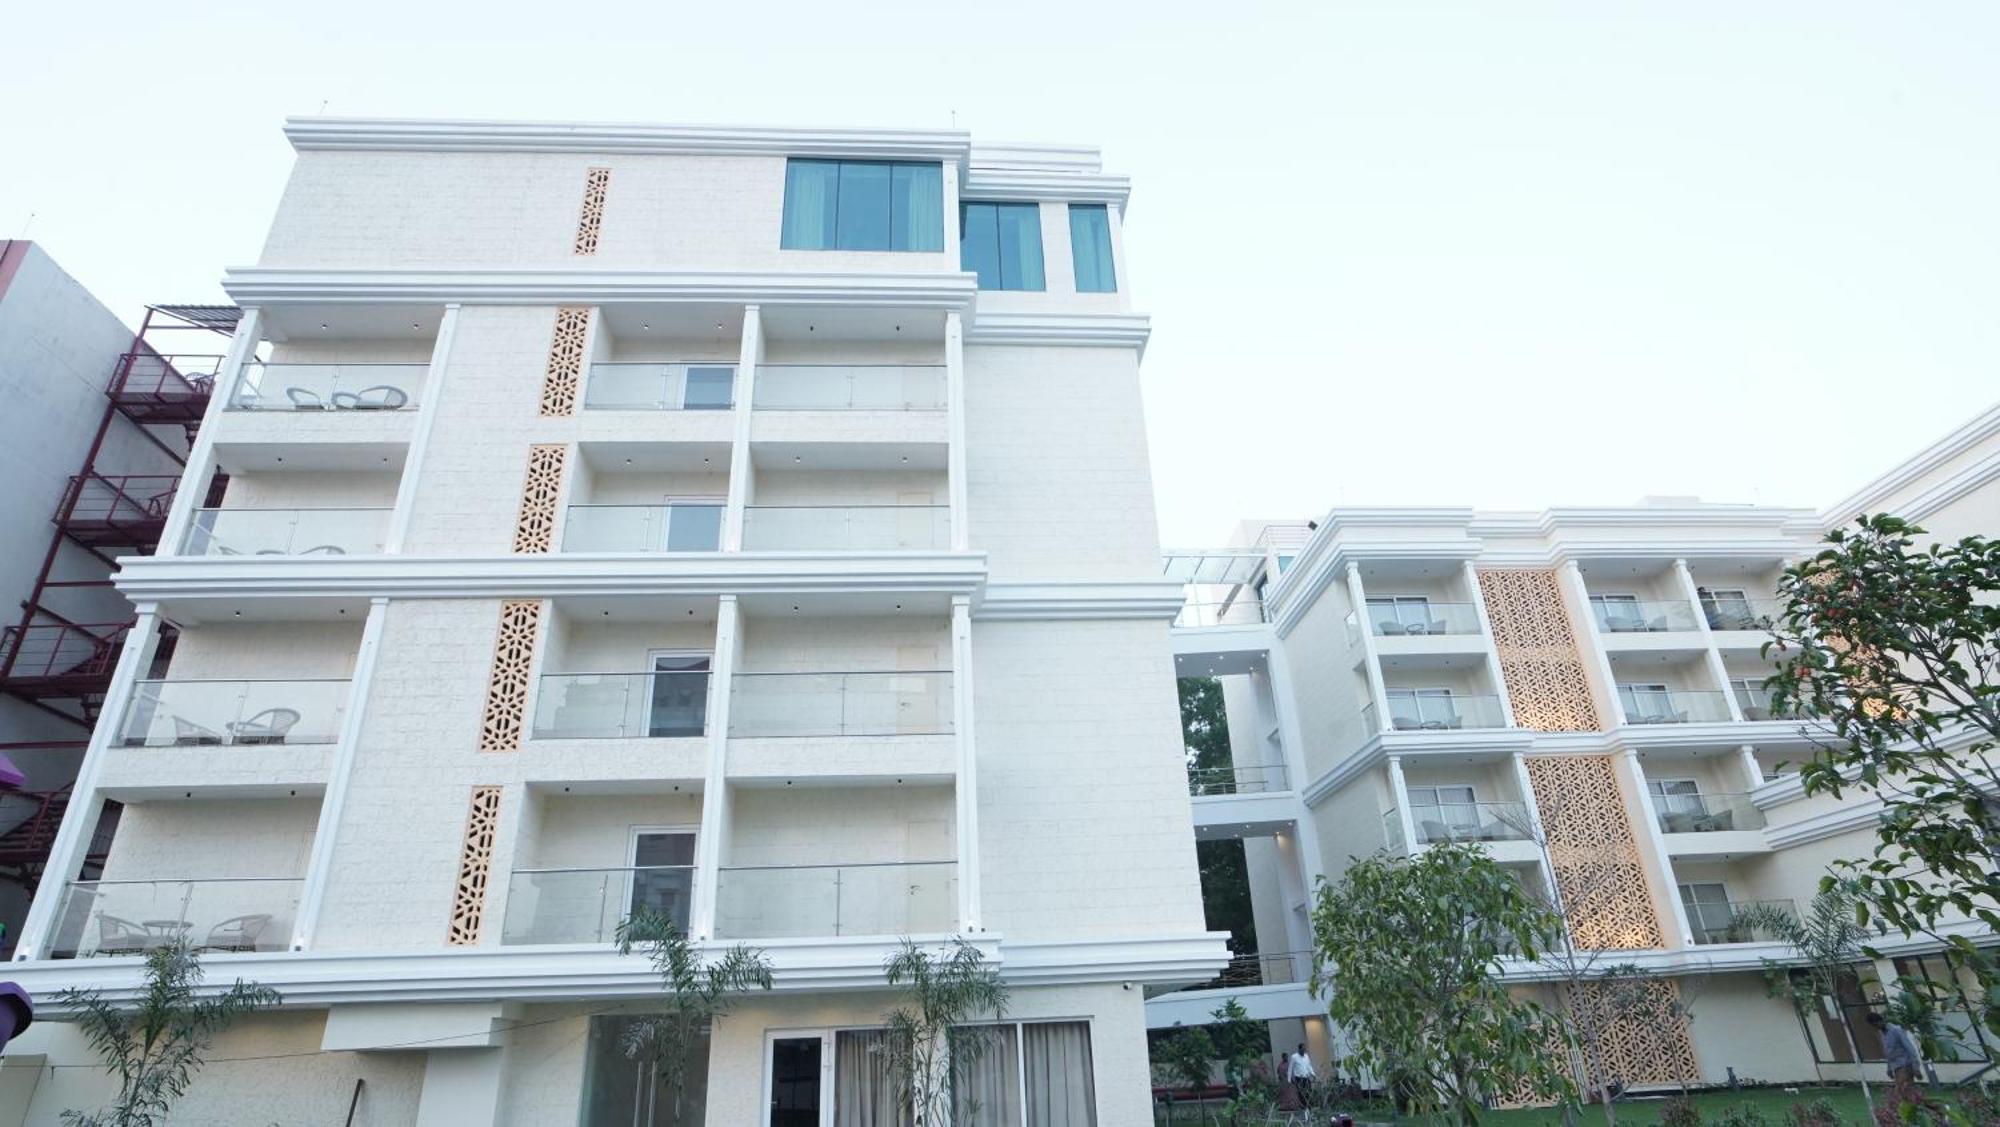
x=350, y=322
x=808, y=456
x=298, y=457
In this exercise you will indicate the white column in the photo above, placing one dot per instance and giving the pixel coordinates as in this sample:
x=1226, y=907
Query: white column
x=1753, y=771
x=1292, y=746
x=79, y=822
x=1401, y=793
x=420, y=436
x=1647, y=832
x=1716, y=669
x=1526, y=785
x=320, y=864
x=715, y=787
x=967, y=789
x=1377, y=691
x=1579, y=595
x=200, y=466
x=954, y=390
x=1471, y=579
x=748, y=357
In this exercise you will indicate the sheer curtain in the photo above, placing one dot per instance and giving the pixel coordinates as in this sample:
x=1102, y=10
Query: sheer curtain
x=986, y=1088
x=1060, y=1087
x=864, y=1086
x=811, y=199
x=1090, y=248
x=917, y=207
x=1020, y=246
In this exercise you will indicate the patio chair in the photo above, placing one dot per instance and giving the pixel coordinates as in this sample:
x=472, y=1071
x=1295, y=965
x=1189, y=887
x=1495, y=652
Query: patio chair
x=187, y=733
x=1390, y=629
x=382, y=397
x=238, y=933
x=1436, y=831
x=267, y=727
x=305, y=399
x=324, y=550
x=1623, y=624
x=117, y=936
x=1405, y=723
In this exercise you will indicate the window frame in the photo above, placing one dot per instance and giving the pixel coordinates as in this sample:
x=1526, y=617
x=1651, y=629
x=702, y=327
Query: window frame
x=1075, y=251
x=1021, y=1049
x=1030, y=207
x=653, y=674
x=833, y=234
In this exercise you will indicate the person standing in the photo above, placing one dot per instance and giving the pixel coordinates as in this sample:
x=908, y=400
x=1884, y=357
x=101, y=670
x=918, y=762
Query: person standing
x=1302, y=1073
x=1903, y=1058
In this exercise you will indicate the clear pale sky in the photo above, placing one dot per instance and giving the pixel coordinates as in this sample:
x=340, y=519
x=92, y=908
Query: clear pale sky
x=1498, y=254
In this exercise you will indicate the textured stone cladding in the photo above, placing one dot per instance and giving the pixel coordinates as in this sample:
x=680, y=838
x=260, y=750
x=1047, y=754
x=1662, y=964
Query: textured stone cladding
x=1593, y=852
x=1532, y=633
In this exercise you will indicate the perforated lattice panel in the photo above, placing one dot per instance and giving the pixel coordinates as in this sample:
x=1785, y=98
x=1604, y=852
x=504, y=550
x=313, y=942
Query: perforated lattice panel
x=595, y=183
x=541, y=490
x=475, y=864
x=564, y=375
x=1593, y=852
x=1536, y=643
x=507, y=684
x=1645, y=1040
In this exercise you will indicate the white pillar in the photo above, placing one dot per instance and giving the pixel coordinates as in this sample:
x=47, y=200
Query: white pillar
x=79, y=822
x=1753, y=771
x=1579, y=596
x=1647, y=833
x=1717, y=671
x=200, y=467
x=967, y=783
x=1291, y=745
x=1377, y=691
x=461, y=1088
x=320, y=863
x=1526, y=785
x=954, y=390
x=715, y=786
x=1401, y=793
x=749, y=356
x=420, y=436
x=1470, y=577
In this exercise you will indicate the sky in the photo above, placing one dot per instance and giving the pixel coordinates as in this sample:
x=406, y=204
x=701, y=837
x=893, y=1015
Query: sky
x=1507, y=255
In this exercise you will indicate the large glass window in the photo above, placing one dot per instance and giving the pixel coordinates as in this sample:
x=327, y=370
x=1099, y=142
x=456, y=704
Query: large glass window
x=1030, y=1074
x=1090, y=247
x=621, y=1090
x=863, y=205
x=1002, y=243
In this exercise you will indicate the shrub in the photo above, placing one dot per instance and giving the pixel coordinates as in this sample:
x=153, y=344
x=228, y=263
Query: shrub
x=1818, y=1113
x=1680, y=1111
x=1741, y=1115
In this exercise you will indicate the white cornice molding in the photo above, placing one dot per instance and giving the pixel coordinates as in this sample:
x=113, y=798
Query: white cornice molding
x=1045, y=184
x=1082, y=330
x=308, y=134
x=1845, y=818
x=1067, y=598
x=277, y=286
x=1875, y=495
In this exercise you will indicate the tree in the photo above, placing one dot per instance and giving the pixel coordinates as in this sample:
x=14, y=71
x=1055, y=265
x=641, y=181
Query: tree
x=1205, y=736
x=1826, y=946
x=1409, y=951
x=932, y=1045
x=697, y=995
x=156, y=1048
x=1892, y=650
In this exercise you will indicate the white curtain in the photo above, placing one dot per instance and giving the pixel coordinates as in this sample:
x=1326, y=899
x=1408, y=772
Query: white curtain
x=918, y=202
x=1060, y=1086
x=986, y=1082
x=864, y=1085
x=811, y=192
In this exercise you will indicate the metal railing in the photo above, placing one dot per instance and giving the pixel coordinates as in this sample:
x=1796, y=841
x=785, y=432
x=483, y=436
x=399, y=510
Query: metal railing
x=643, y=528
x=1737, y=921
x=660, y=386
x=46, y=651
x=234, y=713
x=587, y=905
x=1471, y=821
x=1259, y=779
x=783, y=901
x=1756, y=704
x=1672, y=706
x=850, y=387
x=1642, y=617
x=287, y=532
x=1241, y=612
x=1742, y=614
x=841, y=704
x=1706, y=813
x=131, y=917
x=1434, y=713
x=327, y=387
x=172, y=375
x=1421, y=619
x=117, y=498
x=846, y=528
x=621, y=705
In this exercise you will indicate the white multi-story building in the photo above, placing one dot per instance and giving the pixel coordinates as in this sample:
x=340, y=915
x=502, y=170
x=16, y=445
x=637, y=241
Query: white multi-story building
x=1580, y=690
x=749, y=524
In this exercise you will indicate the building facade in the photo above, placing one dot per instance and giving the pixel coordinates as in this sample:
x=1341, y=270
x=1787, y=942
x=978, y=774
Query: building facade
x=751, y=525
x=1580, y=691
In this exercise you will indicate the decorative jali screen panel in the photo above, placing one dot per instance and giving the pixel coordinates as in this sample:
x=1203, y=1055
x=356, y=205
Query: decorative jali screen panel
x=590, y=223
x=475, y=863
x=1593, y=851
x=1645, y=1038
x=563, y=377
x=1536, y=643
x=507, y=683
x=541, y=489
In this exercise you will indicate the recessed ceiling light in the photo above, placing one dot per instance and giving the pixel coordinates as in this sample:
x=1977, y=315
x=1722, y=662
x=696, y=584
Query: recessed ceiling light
x=322, y=326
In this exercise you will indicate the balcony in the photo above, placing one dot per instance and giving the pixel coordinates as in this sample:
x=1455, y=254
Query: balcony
x=1658, y=705
x=788, y=901
x=1471, y=821
x=643, y=528
x=841, y=704
x=1413, y=711
x=1726, y=613
x=1632, y=616
x=1418, y=617
x=621, y=706
x=1206, y=782
x=287, y=532
x=234, y=713
x=587, y=905
x=131, y=917
x=1278, y=968
x=670, y=386
x=846, y=528
x=1756, y=704
x=1741, y=921
x=1706, y=813
x=327, y=387
x=850, y=387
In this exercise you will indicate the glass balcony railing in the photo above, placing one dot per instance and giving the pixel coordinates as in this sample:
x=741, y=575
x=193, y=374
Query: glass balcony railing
x=1405, y=618
x=1759, y=615
x=1623, y=616
x=643, y=528
x=1672, y=706
x=1241, y=612
x=287, y=532
x=1755, y=704
x=131, y=917
x=621, y=706
x=238, y=713
x=850, y=387
x=1739, y=921
x=846, y=528
x=787, y=901
x=1427, y=712
x=841, y=704
x=673, y=386
x=1262, y=779
x=1260, y=969
x=1706, y=813
x=328, y=387
x=1471, y=821
x=587, y=905
x=1392, y=831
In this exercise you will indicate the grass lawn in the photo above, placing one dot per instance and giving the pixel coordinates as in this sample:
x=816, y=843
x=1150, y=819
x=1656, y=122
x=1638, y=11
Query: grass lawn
x=1774, y=1104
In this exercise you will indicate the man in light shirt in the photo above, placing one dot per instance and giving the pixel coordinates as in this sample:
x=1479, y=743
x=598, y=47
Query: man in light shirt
x=1302, y=1073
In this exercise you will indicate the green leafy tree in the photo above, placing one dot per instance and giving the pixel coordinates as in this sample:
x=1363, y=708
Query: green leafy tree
x=155, y=1048
x=1890, y=650
x=1409, y=950
x=1205, y=736
x=932, y=1043
x=696, y=994
x=1225, y=877
x=1826, y=945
